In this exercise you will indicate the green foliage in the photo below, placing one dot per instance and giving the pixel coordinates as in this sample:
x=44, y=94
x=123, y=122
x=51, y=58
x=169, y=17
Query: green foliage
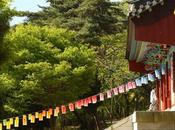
x=51, y=63
x=7, y=84
x=49, y=67
x=4, y=24
x=90, y=18
x=114, y=69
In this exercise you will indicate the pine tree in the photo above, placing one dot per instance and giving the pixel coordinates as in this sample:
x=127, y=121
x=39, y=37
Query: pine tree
x=90, y=18
x=4, y=25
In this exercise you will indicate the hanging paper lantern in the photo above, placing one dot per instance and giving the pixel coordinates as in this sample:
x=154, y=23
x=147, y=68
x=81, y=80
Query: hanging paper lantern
x=29, y=116
x=157, y=74
x=115, y=90
x=94, y=99
x=36, y=115
x=86, y=102
x=109, y=94
x=163, y=69
x=145, y=80
x=24, y=120
x=32, y=119
x=126, y=87
x=16, y=122
x=130, y=85
x=0, y=126
x=71, y=107
x=89, y=100
x=142, y=80
x=63, y=109
x=40, y=117
x=151, y=77
x=48, y=115
x=138, y=82
x=57, y=109
x=121, y=89
x=78, y=105
x=101, y=97
x=133, y=85
x=55, y=113
x=44, y=113
x=50, y=111
x=8, y=125
x=4, y=122
x=11, y=121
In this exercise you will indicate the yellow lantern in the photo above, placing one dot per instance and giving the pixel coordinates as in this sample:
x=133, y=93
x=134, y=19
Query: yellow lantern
x=16, y=122
x=0, y=126
x=24, y=120
x=32, y=119
x=40, y=117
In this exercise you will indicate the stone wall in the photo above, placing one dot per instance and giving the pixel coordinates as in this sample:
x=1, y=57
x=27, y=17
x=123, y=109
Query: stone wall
x=153, y=120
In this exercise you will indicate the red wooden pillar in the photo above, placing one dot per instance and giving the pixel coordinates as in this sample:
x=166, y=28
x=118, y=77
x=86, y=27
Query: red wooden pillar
x=158, y=94
x=169, y=89
x=173, y=80
x=173, y=69
x=163, y=97
x=166, y=88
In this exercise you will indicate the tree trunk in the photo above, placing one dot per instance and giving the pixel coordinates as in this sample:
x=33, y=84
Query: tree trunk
x=97, y=121
x=83, y=124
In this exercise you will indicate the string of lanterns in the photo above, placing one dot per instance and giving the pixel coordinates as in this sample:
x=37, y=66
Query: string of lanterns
x=24, y=120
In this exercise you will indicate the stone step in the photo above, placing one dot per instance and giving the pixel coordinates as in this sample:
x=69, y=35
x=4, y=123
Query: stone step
x=124, y=124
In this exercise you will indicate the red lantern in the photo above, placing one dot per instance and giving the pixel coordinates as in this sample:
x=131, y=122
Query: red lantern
x=86, y=102
x=89, y=100
x=63, y=109
x=94, y=99
x=129, y=85
x=133, y=85
x=78, y=105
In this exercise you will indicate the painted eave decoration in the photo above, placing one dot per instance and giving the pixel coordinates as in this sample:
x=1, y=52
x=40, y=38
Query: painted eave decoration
x=151, y=22
x=140, y=6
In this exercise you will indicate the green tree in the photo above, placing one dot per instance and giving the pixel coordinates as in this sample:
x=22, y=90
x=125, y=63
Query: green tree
x=6, y=81
x=114, y=71
x=5, y=15
x=48, y=66
x=91, y=19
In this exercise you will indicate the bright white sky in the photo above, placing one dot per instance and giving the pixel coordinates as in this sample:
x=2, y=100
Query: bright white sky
x=28, y=5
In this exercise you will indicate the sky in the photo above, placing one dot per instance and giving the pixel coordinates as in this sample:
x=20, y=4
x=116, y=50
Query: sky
x=28, y=5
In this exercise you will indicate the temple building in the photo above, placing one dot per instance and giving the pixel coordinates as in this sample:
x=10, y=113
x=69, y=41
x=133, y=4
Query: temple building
x=151, y=45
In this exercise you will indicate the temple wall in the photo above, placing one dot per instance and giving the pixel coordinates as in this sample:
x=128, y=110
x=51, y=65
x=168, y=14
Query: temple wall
x=153, y=121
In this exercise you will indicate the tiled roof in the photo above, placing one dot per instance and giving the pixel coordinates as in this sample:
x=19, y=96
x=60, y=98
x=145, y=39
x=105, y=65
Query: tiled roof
x=140, y=6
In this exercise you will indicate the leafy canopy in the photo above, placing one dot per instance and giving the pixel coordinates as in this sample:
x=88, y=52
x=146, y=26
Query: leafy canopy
x=48, y=66
x=90, y=18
